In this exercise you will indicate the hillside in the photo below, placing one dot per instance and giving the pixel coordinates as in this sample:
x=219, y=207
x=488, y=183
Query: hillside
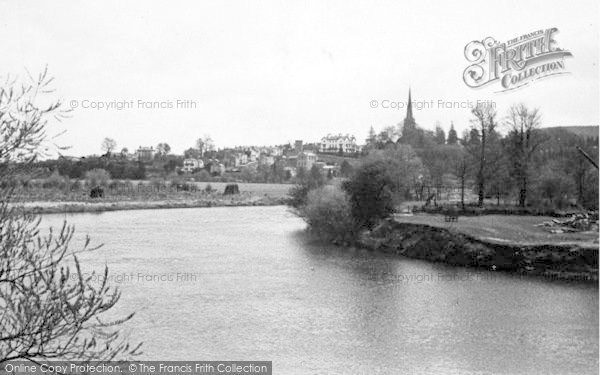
x=582, y=131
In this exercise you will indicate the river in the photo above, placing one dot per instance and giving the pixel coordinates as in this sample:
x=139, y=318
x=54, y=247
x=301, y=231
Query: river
x=247, y=283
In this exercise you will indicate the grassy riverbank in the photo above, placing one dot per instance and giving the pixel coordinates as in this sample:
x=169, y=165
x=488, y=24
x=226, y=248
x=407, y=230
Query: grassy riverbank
x=101, y=206
x=504, y=229
x=146, y=196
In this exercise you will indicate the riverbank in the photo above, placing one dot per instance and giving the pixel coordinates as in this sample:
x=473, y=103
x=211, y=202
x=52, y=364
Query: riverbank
x=100, y=205
x=577, y=261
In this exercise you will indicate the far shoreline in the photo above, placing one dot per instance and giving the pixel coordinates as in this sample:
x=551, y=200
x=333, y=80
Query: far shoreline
x=47, y=207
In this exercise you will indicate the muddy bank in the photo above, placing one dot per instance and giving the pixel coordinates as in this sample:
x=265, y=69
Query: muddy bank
x=420, y=241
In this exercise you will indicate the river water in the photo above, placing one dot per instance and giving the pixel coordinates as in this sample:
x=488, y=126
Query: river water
x=247, y=283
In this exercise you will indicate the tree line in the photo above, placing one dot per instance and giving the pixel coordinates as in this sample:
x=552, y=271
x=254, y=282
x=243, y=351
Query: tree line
x=509, y=157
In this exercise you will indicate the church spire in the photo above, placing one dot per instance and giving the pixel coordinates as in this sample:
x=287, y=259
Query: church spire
x=409, y=108
x=409, y=113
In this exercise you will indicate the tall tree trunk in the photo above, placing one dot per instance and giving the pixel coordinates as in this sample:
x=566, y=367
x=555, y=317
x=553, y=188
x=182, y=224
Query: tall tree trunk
x=523, y=192
x=580, y=183
x=480, y=178
x=462, y=192
x=480, y=191
x=523, y=188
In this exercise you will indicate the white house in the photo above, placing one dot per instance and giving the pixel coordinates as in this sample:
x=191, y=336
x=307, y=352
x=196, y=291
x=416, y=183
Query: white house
x=254, y=154
x=306, y=160
x=145, y=153
x=240, y=159
x=189, y=165
x=335, y=143
x=265, y=159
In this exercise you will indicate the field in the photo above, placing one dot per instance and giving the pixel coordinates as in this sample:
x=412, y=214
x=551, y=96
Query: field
x=145, y=190
x=271, y=190
x=504, y=228
x=148, y=195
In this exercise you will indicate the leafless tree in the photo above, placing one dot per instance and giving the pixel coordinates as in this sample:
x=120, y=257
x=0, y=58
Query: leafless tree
x=460, y=167
x=48, y=308
x=108, y=145
x=163, y=149
x=523, y=141
x=484, y=124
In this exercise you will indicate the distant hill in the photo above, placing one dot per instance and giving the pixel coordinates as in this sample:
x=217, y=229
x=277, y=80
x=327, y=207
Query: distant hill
x=582, y=131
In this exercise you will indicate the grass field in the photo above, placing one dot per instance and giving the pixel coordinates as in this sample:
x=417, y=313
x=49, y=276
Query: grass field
x=146, y=190
x=272, y=190
x=503, y=228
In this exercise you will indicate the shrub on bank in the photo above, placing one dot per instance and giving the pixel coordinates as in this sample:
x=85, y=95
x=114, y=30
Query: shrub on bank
x=55, y=181
x=371, y=192
x=298, y=195
x=328, y=213
x=551, y=190
x=340, y=214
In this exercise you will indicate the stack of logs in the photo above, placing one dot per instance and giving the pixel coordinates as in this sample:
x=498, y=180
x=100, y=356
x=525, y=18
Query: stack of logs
x=575, y=223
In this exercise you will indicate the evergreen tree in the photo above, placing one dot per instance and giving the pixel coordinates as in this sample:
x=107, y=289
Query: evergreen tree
x=440, y=136
x=371, y=138
x=452, y=136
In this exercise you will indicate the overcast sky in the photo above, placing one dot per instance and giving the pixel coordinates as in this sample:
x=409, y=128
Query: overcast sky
x=267, y=72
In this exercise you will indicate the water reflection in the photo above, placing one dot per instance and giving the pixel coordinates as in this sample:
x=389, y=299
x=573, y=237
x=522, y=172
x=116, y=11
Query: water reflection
x=457, y=318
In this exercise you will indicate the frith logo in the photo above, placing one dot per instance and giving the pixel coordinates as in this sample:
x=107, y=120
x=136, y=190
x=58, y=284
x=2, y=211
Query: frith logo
x=515, y=63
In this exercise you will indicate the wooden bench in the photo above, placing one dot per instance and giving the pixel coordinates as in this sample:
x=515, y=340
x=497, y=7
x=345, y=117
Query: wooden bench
x=451, y=216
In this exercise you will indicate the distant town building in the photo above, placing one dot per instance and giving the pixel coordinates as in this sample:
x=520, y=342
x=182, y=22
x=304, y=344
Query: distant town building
x=215, y=167
x=336, y=143
x=306, y=160
x=265, y=159
x=237, y=159
x=253, y=155
x=290, y=171
x=145, y=153
x=291, y=161
x=298, y=146
x=276, y=151
x=190, y=164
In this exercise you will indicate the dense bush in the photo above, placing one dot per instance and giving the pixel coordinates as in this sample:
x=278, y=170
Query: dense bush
x=590, y=194
x=339, y=214
x=55, y=181
x=328, y=214
x=371, y=192
x=552, y=189
x=298, y=195
x=231, y=189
